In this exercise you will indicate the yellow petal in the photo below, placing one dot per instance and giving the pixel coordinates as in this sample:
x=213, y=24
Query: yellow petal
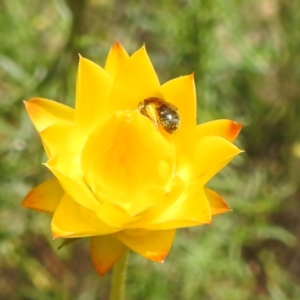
x=116, y=60
x=181, y=93
x=216, y=202
x=189, y=209
x=74, y=186
x=121, y=162
x=106, y=250
x=72, y=220
x=209, y=156
x=45, y=197
x=135, y=82
x=153, y=245
x=93, y=87
x=109, y=213
x=59, y=140
x=44, y=113
x=227, y=129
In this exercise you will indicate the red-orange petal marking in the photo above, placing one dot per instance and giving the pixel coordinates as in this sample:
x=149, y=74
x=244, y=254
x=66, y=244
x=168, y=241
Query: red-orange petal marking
x=106, y=250
x=227, y=129
x=45, y=197
x=216, y=202
x=116, y=59
x=44, y=113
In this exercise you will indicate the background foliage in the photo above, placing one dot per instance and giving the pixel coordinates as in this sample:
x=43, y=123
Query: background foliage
x=246, y=58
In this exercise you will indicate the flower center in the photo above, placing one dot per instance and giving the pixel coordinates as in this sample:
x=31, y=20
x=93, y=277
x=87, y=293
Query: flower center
x=161, y=113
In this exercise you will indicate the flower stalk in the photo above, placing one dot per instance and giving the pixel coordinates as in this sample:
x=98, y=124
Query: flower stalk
x=118, y=280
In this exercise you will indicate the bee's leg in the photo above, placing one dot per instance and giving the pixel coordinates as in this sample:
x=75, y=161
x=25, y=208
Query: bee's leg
x=152, y=114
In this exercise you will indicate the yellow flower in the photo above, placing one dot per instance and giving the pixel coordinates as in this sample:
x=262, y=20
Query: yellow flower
x=130, y=163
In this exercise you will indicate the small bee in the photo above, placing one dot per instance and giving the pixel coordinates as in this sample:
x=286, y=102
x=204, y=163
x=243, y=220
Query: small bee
x=161, y=113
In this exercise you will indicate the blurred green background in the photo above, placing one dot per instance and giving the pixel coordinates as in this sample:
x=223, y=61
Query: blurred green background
x=246, y=58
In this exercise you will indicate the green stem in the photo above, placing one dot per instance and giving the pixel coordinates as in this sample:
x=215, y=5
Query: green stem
x=118, y=281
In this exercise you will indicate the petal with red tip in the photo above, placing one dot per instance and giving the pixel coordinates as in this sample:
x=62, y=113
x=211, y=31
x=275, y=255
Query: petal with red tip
x=44, y=113
x=93, y=87
x=116, y=60
x=153, y=245
x=135, y=82
x=106, y=250
x=216, y=202
x=45, y=197
x=227, y=129
x=209, y=156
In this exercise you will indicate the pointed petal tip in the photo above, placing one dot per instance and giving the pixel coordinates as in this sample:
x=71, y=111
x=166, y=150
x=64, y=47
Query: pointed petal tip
x=106, y=250
x=29, y=202
x=236, y=127
x=234, y=130
x=55, y=235
x=100, y=270
x=117, y=45
x=81, y=58
x=58, y=235
x=32, y=106
x=57, y=232
x=141, y=50
x=156, y=256
x=30, y=101
x=217, y=204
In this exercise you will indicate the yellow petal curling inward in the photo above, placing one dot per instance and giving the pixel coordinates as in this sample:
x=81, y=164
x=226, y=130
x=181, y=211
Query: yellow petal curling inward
x=77, y=189
x=121, y=162
x=72, y=220
x=191, y=208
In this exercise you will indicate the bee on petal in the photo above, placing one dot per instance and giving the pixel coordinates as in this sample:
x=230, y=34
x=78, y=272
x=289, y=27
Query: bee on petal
x=161, y=113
